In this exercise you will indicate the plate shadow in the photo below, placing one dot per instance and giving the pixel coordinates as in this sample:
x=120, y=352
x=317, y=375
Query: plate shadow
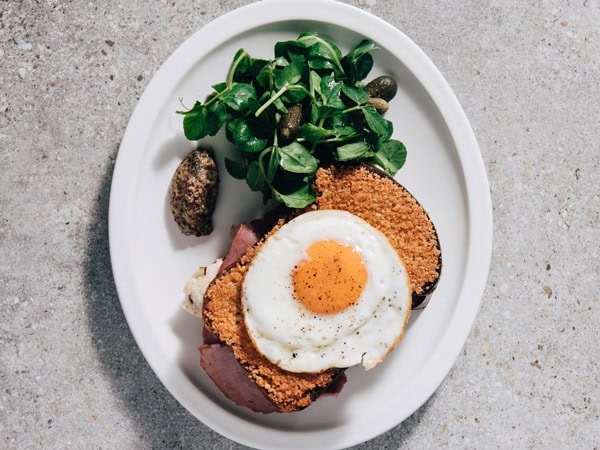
x=160, y=420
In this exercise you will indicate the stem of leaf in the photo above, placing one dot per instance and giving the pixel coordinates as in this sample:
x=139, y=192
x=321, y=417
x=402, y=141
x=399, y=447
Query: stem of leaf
x=275, y=132
x=279, y=93
x=261, y=165
x=353, y=108
x=234, y=67
x=269, y=102
x=339, y=139
x=333, y=54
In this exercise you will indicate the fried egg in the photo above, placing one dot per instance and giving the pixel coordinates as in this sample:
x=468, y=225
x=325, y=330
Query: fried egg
x=326, y=290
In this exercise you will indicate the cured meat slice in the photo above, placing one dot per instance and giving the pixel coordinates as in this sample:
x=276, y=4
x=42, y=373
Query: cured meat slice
x=229, y=376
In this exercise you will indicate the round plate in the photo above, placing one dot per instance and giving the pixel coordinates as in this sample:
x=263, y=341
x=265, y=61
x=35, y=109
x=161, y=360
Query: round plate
x=152, y=259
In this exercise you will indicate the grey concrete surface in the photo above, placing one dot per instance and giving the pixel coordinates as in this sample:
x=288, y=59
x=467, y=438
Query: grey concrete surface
x=528, y=77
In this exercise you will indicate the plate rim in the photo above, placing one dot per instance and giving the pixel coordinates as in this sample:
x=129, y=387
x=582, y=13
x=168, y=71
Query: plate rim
x=478, y=257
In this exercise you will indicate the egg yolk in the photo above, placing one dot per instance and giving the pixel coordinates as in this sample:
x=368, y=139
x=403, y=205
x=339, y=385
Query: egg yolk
x=331, y=279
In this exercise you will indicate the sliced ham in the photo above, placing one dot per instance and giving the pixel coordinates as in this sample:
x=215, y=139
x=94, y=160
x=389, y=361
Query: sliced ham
x=248, y=234
x=208, y=337
x=216, y=358
x=229, y=376
x=242, y=237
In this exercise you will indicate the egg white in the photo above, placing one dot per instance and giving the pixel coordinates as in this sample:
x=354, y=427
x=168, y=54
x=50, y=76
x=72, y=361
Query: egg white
x=299, y=340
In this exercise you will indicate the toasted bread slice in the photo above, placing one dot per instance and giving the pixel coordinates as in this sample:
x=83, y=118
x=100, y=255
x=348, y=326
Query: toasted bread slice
x=377, y=199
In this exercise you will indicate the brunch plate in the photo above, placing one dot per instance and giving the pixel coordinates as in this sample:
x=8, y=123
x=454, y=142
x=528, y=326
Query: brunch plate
x=152, y=260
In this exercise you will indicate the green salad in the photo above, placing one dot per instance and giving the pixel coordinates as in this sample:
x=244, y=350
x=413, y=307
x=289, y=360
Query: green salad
x=288, y=116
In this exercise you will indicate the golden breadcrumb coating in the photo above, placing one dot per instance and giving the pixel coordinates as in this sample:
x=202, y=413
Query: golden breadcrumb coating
x=365, y=192
x=389, y=207
x=223, y=315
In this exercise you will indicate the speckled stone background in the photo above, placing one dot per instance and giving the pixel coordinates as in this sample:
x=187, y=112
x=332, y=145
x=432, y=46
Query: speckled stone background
x=528, y=76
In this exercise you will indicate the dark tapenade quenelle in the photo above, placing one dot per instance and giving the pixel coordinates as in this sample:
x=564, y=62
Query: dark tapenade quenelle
x=193, y=192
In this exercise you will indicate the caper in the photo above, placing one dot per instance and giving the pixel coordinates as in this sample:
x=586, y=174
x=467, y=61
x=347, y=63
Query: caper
x=379, y=104
x=384, y=87
x=290, y=123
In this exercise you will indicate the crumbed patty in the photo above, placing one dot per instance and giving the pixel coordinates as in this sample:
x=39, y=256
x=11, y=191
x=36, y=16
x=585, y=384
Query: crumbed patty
x=392, y=210
x=223, y=315
x=378, y=199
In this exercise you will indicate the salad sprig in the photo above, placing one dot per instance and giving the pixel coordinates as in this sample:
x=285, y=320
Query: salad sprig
x=292, y=114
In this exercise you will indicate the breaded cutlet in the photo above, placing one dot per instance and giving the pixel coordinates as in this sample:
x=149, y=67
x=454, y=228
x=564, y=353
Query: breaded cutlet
x=368, y=193
x=392, y=210
x=223, y=316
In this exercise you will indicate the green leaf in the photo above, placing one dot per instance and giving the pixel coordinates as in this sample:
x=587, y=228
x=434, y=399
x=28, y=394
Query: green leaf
x=323, y=54
x=248, y=68
x=364, y=47
x=296, y=158
x=254, y=177
x=330, y=89
x=356, y=94
x=352, y=151
x=235, y=168
x=195, y=122
x=361, y=68
x=306, y=36
x=376, y=123
x=314, y=83
x=320, y=57
x=243, y=134
x=359, y=62
x=290, y=50
x=342, y=124
x=273, y=165
x=299, y=198
x=315, y=112
x=264, y=79
x=216, y=113
x=295, y=94
x=244, y=62
x=220, y=87
x=390, y=156
x=313, y=133
x=290, y=74
x=251, y=106
x=239, y=62
x=239, y=96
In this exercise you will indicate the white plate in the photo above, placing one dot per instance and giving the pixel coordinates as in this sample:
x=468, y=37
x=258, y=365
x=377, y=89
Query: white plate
x=152, y=260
